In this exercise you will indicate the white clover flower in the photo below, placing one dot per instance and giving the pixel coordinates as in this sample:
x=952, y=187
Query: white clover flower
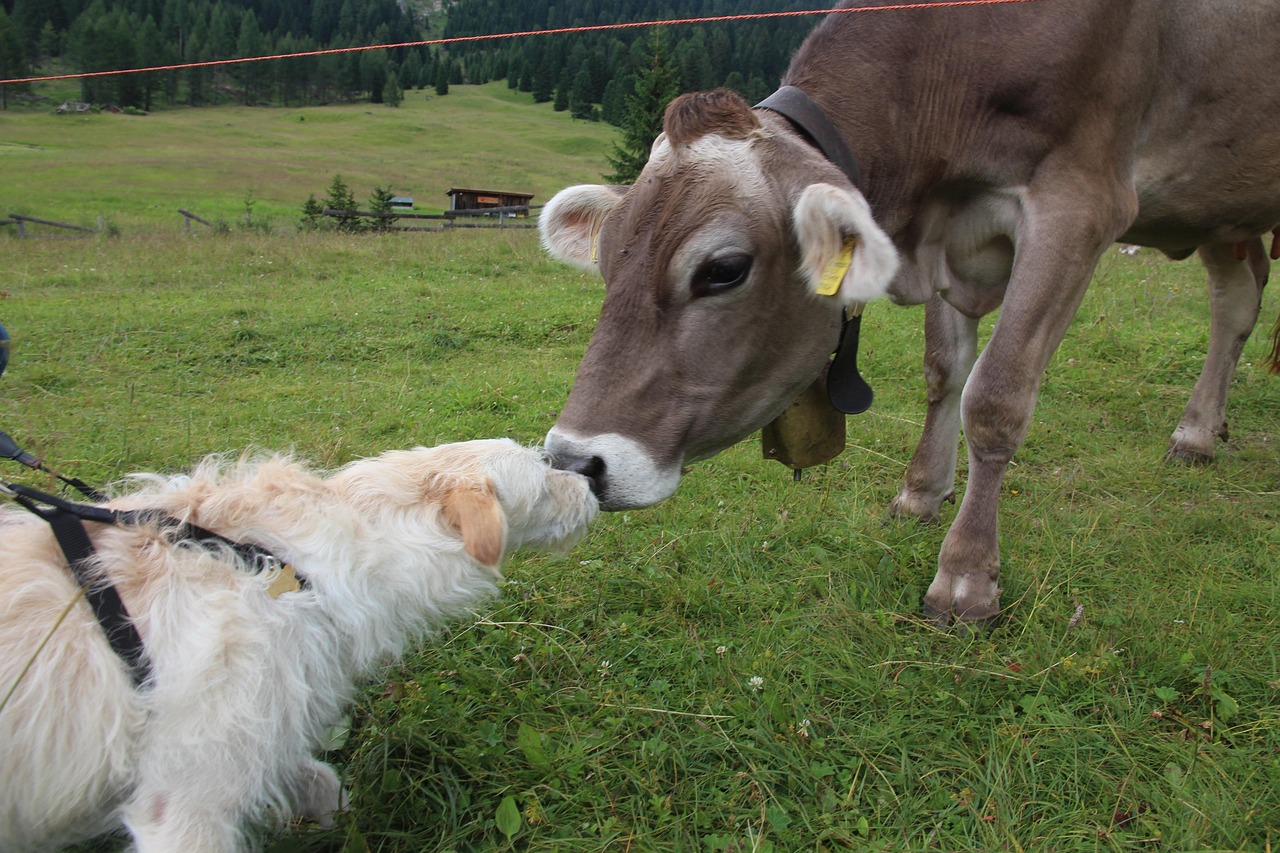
x=756, y=683
x=720, y=650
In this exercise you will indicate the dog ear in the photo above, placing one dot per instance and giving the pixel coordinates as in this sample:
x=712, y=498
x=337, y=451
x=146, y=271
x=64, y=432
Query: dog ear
x=473, y=510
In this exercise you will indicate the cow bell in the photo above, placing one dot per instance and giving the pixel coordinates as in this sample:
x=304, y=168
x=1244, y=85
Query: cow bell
x=809, y=432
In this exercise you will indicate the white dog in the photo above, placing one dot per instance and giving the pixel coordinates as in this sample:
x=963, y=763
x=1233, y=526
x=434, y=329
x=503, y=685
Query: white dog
x=242, y=686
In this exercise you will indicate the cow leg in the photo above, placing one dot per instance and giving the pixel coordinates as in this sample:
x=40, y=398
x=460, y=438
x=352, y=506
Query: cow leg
x=1235, y=298
x=1050, y=276
x=950, y=345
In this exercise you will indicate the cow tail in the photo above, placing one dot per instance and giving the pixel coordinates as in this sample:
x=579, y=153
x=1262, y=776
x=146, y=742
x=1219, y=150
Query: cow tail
x=1273, y=360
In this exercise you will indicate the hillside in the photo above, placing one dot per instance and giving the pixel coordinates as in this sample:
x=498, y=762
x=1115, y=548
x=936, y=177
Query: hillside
x=136, y=171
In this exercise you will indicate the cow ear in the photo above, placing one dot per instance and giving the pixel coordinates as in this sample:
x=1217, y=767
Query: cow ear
x=473, y=510
x=843, y=253
x=570, y=223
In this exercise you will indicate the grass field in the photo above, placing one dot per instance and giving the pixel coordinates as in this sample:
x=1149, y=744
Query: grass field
x=742, y=668
x=136, y=171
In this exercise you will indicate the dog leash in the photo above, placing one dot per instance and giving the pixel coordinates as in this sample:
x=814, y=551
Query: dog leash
x=9, y=449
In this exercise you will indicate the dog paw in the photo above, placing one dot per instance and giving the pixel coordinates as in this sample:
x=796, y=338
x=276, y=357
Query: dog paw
x=319, y=793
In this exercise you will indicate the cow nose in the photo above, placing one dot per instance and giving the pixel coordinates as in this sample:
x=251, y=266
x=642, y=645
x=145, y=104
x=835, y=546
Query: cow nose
x=591, y=467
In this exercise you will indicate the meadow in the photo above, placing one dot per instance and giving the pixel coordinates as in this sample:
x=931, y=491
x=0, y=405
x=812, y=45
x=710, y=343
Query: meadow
x=136, y=171
x=744, y=667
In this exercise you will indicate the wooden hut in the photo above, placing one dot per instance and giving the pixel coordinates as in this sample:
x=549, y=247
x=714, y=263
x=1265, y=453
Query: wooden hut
x=464, y=199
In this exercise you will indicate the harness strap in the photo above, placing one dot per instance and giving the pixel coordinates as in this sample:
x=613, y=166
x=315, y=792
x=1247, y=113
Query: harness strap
x=254, y=555
x=66, y=519
x=103, y=598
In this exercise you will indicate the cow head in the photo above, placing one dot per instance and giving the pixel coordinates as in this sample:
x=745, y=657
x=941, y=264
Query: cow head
x=712, y=319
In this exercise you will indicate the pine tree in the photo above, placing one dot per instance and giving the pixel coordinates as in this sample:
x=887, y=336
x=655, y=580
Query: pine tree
x=613, y=104
x=655, y=86
x=28, y=19
x=442, y=76
x=13, y=61
x=312, y=215
x=151, y=51
x=380, y=202
x=561, y=102
x=410, y=71
x=340, y=198
x=373, y=74
x=250, y=42
x=580, y=95
x=544, y=77
x=393, y=92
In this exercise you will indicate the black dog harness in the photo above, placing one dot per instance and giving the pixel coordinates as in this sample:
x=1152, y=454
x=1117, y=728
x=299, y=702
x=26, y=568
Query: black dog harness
x=66, y=519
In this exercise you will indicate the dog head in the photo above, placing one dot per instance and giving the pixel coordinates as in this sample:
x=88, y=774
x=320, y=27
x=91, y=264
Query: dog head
x=493, y=493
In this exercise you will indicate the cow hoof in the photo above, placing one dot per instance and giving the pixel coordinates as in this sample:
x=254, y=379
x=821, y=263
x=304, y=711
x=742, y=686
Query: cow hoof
x=1191, y=445
x=1189, y=456
x=907, y=506
x=964, y=624
x=963, y=602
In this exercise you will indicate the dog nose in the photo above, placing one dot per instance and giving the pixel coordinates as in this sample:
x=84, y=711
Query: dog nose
x=591, y=467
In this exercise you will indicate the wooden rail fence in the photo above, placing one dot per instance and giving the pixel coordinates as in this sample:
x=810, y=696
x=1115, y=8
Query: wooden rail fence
x=21, y=221
x=501, y=217
x=187, y=216
x=517, y=216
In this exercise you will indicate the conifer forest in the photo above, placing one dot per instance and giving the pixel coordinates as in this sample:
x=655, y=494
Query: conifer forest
x=591, y=74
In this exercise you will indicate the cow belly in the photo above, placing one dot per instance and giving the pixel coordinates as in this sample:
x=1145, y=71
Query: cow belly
x=1178, y=211
x=1207, y=167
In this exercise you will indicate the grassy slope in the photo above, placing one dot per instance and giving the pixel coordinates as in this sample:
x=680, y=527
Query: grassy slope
x=609, y=693
x=136, y=171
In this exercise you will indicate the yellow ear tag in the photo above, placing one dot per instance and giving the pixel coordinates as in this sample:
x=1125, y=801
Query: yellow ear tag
x=595, y=246
x=829, y=284
x=285, y=581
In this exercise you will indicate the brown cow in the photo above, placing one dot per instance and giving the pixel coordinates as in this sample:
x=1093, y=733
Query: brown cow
x=1001, y=150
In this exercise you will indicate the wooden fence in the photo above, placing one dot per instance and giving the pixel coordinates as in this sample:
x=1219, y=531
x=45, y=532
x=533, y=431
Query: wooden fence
x=21, y=221
x=518, y=216
x=187, y=216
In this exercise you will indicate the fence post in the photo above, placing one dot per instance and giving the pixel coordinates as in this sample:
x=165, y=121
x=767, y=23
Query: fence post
x=188, y=216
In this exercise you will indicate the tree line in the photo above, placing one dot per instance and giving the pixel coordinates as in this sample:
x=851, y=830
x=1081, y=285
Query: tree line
x=580, y=72
x=591, y=74
x=104, y=35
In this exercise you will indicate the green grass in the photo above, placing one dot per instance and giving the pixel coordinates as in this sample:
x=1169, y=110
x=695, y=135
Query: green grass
x=606, y=701
x=136, y=171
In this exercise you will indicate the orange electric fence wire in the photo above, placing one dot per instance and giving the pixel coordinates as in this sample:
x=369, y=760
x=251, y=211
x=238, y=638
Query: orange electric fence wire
x=896, y=7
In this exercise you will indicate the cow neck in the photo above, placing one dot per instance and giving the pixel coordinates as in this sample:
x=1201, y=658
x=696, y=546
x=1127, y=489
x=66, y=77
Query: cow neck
x=847, y=391
x=815, y=126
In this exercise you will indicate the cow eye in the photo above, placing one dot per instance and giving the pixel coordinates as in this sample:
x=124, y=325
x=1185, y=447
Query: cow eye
x=721, y=274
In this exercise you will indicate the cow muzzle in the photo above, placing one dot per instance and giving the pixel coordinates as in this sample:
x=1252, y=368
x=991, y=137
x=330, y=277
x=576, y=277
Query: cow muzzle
x=622, y=474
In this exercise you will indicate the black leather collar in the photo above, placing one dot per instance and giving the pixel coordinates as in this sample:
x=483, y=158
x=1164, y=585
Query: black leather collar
x=846, y=388
x=815, y=126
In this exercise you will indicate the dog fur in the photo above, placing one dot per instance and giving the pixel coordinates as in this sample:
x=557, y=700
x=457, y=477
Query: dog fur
x=243, y=686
